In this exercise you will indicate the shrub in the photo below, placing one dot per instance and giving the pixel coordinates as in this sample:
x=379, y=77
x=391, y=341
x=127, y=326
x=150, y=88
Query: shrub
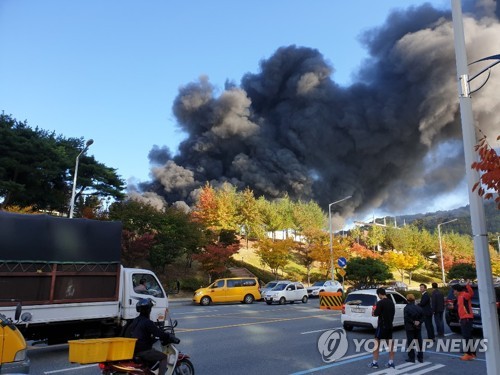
x=191, y=284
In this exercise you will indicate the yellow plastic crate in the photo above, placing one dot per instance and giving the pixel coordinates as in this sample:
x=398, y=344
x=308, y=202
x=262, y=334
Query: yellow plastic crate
x=120, y=348
x=88, y=351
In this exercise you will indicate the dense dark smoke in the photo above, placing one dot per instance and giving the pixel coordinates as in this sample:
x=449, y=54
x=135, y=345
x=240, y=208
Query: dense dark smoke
x=391, y=139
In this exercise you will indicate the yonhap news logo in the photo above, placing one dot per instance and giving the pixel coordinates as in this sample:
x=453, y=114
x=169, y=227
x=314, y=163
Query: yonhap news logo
x=334, y=344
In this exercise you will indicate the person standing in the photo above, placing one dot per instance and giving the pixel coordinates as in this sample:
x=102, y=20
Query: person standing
x=413, y=318
x=425, y=304
x=385, y=311
x=464, y=305
x=437, y=303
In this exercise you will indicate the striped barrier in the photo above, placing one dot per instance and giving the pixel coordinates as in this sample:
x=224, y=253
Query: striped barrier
x=330, y=300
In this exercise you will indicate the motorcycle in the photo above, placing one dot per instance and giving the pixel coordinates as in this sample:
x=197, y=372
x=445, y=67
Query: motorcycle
x=178, y=363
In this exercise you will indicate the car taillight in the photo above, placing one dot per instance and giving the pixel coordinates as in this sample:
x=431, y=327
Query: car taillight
x=343, y=308
x=373, y=309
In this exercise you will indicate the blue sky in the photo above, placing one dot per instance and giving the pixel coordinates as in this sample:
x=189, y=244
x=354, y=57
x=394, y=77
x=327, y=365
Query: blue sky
x=110, y=70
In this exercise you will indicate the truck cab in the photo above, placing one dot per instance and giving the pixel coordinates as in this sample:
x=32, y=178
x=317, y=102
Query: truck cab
x=13, y=352
x=138, y=284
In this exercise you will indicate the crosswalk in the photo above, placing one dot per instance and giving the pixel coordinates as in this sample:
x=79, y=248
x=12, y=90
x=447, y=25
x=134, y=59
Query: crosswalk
x=409, y=369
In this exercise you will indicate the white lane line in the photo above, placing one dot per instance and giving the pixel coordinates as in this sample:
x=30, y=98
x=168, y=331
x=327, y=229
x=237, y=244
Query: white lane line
x=70, y=369
x=426, y=370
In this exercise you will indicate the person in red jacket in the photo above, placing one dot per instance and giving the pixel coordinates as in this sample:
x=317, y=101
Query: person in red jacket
x=464, y=305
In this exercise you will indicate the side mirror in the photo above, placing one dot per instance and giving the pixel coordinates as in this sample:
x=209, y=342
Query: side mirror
x=174, y=323
x=17, y=314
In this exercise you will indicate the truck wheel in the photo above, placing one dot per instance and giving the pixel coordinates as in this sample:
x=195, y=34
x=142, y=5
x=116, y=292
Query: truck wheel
x=248, y=299
x=205, y=301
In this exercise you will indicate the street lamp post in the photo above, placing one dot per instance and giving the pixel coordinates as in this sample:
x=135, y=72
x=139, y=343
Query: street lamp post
x=72, y=203
x=441, y=248
x=331, y=234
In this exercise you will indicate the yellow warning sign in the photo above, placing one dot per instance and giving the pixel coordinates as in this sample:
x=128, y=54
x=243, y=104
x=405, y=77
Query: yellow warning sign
x=341, y=272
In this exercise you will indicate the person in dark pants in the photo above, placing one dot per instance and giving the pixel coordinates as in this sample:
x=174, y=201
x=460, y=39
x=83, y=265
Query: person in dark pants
x=385, y=311
x=437, y=303
x=425, y=304
x=145, y=331
x=413, y=318
x=464, y=305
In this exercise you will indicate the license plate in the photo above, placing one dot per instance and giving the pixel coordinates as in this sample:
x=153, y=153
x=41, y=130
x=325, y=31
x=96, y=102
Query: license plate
x=358, y=309
x=476, y=311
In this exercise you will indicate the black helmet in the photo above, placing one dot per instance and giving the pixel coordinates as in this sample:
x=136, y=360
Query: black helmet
x=144, y=305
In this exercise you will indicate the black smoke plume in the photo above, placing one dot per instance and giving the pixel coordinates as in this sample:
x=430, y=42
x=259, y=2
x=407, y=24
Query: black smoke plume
x=391, y=139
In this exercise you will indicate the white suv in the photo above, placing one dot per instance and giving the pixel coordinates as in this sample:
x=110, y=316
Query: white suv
x=324, y=286
x=286, y=292
x=358, y=308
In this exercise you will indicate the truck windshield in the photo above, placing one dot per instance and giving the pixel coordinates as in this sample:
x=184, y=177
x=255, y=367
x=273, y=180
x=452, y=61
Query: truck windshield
x=145, y=283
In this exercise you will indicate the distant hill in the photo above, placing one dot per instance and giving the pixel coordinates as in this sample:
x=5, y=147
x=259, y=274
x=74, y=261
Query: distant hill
x=429, y=221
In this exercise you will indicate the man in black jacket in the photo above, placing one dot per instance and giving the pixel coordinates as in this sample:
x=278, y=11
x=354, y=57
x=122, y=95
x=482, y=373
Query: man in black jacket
x=425, y=304
x=437, y=303
x=413, y=318
x=385, y=311
x=146, y=333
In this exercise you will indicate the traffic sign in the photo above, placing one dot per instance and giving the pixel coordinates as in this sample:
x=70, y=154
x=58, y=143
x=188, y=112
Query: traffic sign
x=342, y=262
x=341, y=272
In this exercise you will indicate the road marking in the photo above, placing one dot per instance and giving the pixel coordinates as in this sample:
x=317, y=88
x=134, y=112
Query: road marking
x=407, y=366
x=70, y=369
x=318, y=330
x=277, y=320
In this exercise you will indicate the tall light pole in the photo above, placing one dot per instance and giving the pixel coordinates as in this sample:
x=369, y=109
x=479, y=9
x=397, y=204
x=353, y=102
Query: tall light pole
x=331, y=234
x=72, y=203
x=489, y=315
x=441, y=248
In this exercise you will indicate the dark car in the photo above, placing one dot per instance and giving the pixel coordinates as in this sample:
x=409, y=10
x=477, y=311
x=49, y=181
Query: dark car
x=451, y=313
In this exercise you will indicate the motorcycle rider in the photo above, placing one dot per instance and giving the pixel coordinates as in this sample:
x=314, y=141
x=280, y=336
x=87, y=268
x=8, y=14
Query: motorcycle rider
x=146, y=333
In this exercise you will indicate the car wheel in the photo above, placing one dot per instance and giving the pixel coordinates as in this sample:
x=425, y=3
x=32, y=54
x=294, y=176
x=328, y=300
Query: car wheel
x=205, y=301
x=282, y=300
x=248, y=299
x=304, y=299
x=269, y=302
x=348, y=327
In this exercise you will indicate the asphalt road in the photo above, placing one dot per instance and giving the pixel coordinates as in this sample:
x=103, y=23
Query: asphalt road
x=258, y=339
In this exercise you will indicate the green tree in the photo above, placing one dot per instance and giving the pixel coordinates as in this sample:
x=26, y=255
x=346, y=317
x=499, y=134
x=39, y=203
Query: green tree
x=462, y=271
x=367, y=271
x=272, y=221
x=375, y=237
x=250, y=217
x=37, y=168
x=173, y=232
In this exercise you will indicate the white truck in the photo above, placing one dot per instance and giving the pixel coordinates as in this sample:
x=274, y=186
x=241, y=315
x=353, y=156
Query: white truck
x=68, y=275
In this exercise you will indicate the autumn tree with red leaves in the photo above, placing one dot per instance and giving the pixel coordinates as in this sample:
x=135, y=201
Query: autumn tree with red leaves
x=489, y=164
x=214, y=258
